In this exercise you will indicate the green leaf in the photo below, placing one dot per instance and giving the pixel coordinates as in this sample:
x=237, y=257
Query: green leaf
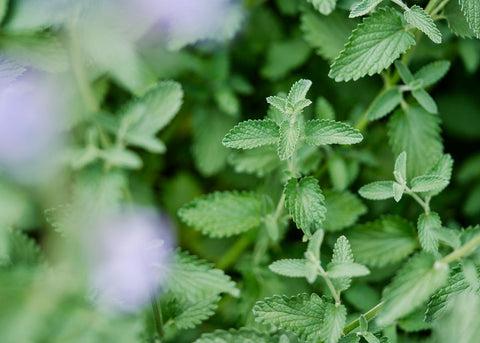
x=289, y=267
x=342, y=264
x=280, y=61
x=347, y=270
x=324, y=131
x=260, y=161
x=363, y=7
x=383, y=104
x=338, y=171
x=183, y=314
x=427, y=224
x=306, y=204
x=242, y=335
x=333, y=322
x=193, y=279
x=425, y=100
x=324, y=6
x=3, y=9
x=209, y=128
x=400, y=169
x=404, y=72
x=223, y=214
x=350, y=338
x=144, y=117
x=398, y=190
x=298, y=91
x=432, y=72
x=471, y=10
x=443, y=169
x=22, y=251
x=383, y=242
x=456, y=284
x=315, y=243
x=289, y=134
x=302, y=314
x=372, y=47
x=122, y=158
x=278, y=102
x=417, y=17
x=414, y=322
x=370, y=337
x=378, y=190
x=343, y=210
x=428, y=183
x=342, y=252
x=327, y=34
x=416, y=132
x=414, y=283
x=324, y=109
x=251, y=134
x=457, y=21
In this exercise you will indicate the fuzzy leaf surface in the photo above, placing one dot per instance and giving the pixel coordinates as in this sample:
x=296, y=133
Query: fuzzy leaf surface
x=383, y=104
x=343, y=210
x=223, y=214
x=289, y=267
x=416, y=132
x=324, y=6
x=324, y=131
x=414, y=283
x=427, y=183
x=333, y=322
x=242, y=335
x=195, y=279
x=471, y=10
x=251, y=134
x=427, y=224
x=382, y=242
x=302, y=314
x=432, y=72
x=417, y=17
x=378, y=190
x=289, y=135
x=372, y=47
x=306, y=203
x=298, y=91
x=363, y=7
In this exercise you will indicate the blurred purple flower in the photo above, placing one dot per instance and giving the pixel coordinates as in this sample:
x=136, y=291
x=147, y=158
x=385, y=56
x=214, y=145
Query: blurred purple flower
x=128, y=254
x=30, y=109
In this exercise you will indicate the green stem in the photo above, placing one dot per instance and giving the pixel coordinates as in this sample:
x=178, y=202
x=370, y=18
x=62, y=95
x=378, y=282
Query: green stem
x=280, y=205
x=431, y=6
x=368, y=315
x=465, y=249
x=330, y=286
x=157, y=317
x=439, y=7
x=232, y=255
x=425, y=205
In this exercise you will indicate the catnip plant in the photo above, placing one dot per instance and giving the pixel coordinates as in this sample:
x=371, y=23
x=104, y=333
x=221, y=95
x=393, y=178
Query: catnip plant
x=229, y=171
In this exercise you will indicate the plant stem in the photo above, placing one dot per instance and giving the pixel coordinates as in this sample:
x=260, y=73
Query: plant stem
x=431, y=6
x=463, y=250
x=424, y=204
x=157, y=317
x=439, y=7
x=280, y=206
x=329, y=283
x=368, y=315
x=233, y=253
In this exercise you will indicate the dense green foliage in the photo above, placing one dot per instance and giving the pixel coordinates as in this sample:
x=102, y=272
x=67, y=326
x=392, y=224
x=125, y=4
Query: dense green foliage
x=318, y=162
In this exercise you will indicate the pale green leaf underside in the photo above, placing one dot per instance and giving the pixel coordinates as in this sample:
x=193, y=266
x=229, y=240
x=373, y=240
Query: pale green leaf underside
x=414, y=283
x=471, y=10
x=301, y=314
x=298, y=91
x=428, y=183
x=383, y=242
x=443, y=169
x=363, y=7
x=251, y=134
x=223, y=214
x=417, y=17
x=378, y=190
x=372, y=47
x=325, y=131
x=289, y=134
x=426, y=225
x=324, y=6
x=383, y=104
x=194, y=279
x=289, y=267
x=333, y=322
x=306, y=203
x=416, y=132
x=242, y=335
x=349, y=269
